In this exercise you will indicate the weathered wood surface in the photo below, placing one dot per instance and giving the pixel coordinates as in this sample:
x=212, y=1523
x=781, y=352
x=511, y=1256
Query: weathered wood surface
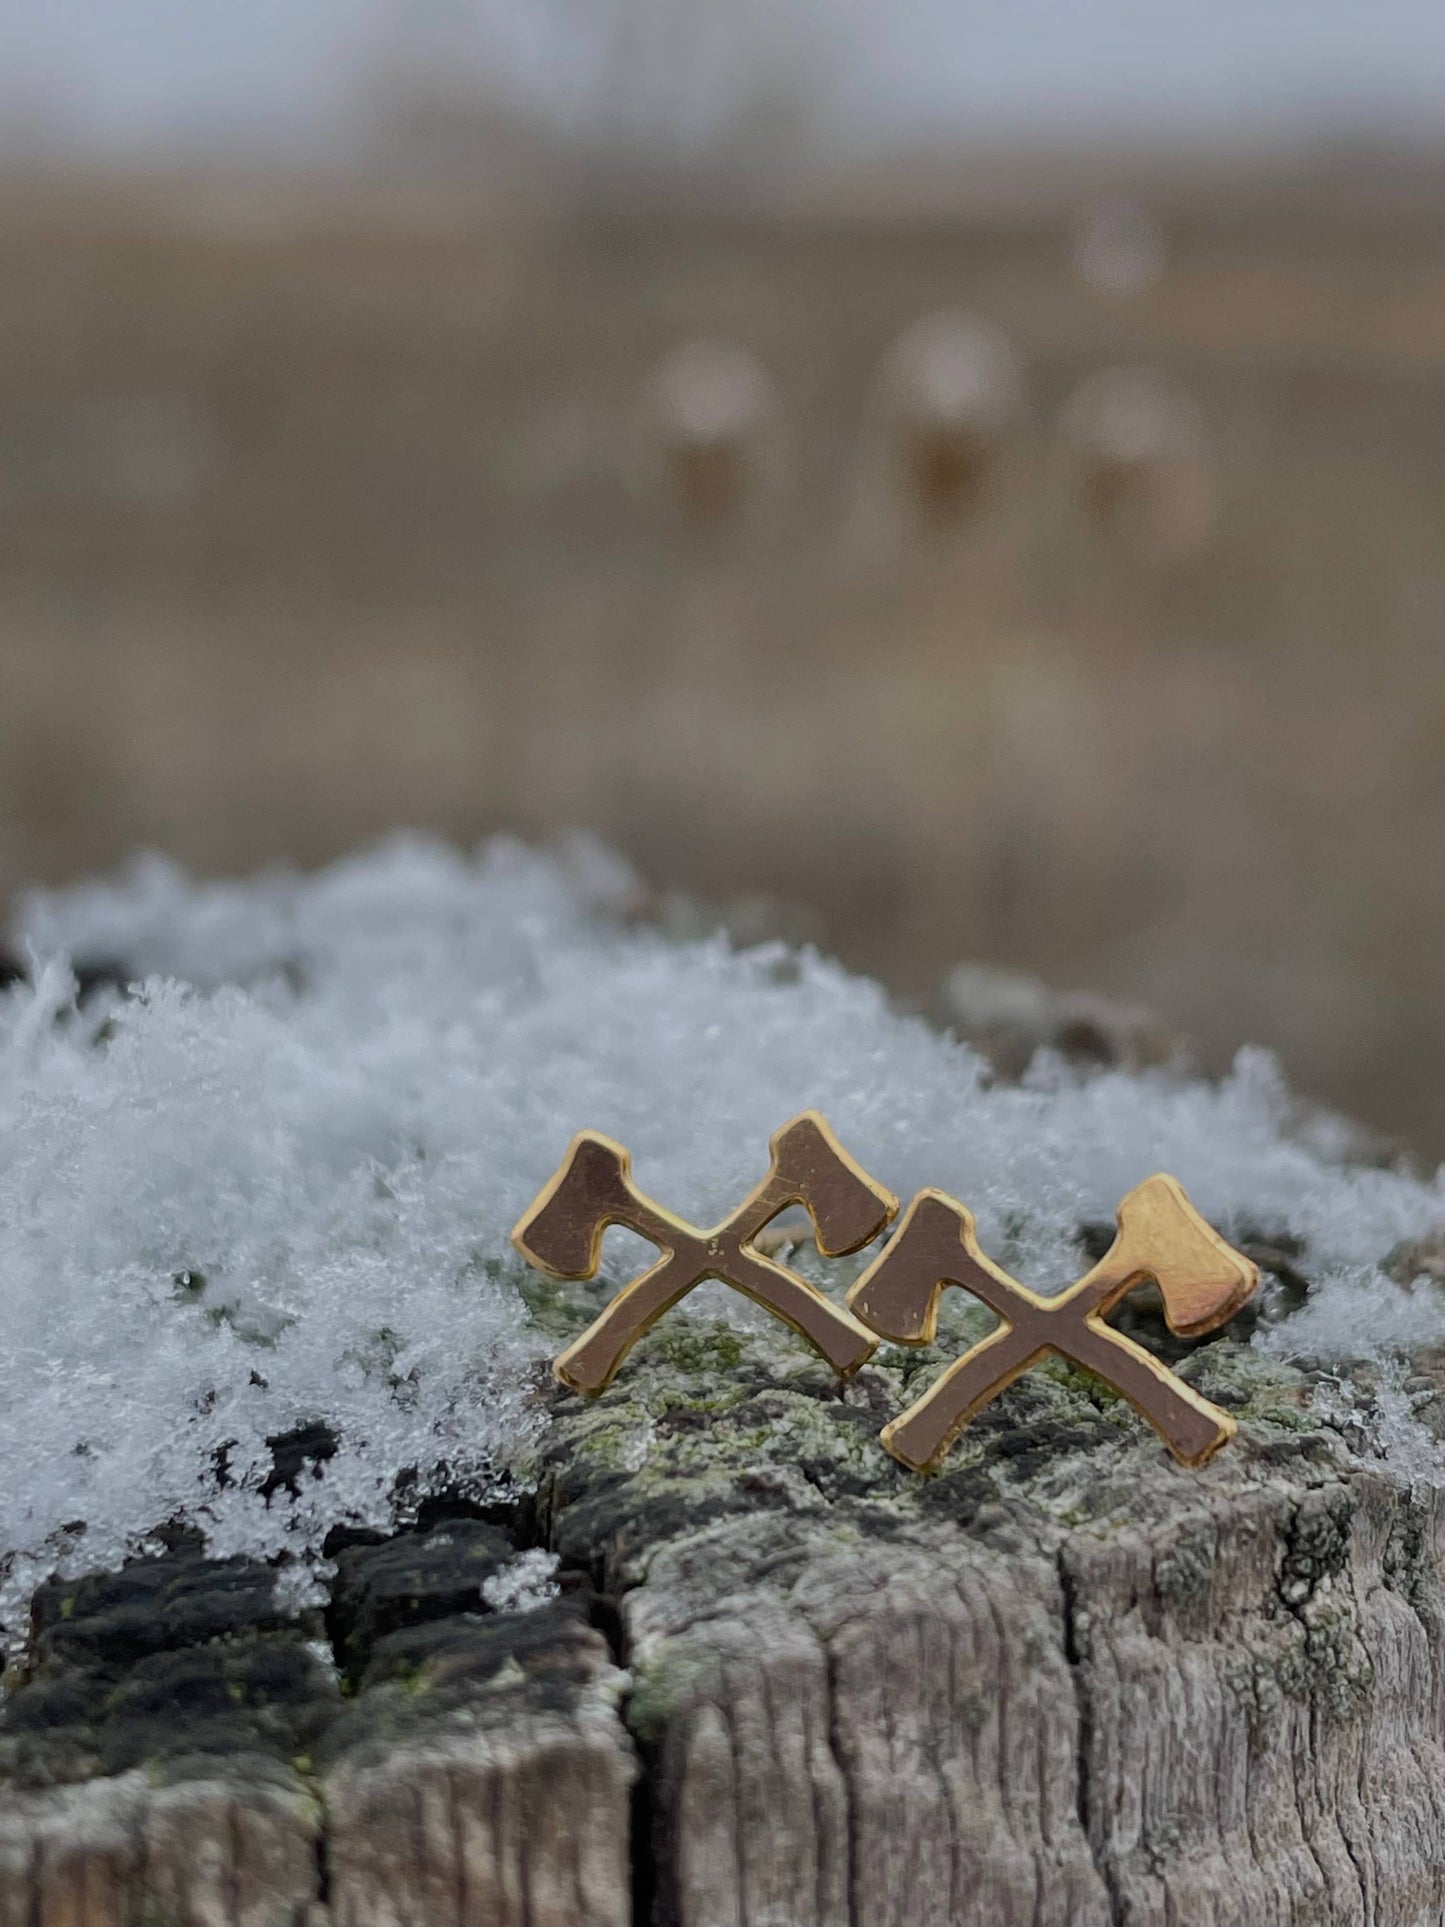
x=1066, y=1680
x=789, y=1684
x=182, y=1755
x=118, y=1851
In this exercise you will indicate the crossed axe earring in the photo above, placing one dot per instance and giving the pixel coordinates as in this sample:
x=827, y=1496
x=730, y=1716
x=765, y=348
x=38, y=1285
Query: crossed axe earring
x=1161, y=1237
x=562, y=1235
x=1203, y=1281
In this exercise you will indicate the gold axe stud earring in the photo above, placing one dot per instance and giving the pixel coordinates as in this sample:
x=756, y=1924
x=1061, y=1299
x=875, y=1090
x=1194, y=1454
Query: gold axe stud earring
x=562, y=1235
x=1203, y=1281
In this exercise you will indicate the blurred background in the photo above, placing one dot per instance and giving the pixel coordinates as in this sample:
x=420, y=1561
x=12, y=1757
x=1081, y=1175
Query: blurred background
x=972, y=471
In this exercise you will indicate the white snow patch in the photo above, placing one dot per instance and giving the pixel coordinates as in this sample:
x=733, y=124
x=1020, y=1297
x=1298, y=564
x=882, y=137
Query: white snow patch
x=528, y=1582
x=275, y=1185
x=1379, y=1427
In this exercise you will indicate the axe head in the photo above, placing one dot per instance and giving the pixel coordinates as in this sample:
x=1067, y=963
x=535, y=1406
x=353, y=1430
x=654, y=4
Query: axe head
x=811, y=1167
x=1202, y=1280
x=561, y=1232
x=934, y=1246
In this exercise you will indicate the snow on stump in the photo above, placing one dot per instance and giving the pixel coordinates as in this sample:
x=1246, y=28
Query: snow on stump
x=325, y=1607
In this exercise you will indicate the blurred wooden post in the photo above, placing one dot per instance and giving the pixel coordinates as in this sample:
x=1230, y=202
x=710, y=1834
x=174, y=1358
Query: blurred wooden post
x=949, y=398
x=709, y=416
x=1131, y=444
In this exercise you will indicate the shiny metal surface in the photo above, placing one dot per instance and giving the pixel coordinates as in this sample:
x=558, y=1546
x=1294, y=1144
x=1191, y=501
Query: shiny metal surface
x=562, y=1235
x=1203, y=1280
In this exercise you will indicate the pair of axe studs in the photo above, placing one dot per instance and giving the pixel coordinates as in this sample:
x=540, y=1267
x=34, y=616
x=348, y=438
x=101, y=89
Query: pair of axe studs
x=1161, y=1237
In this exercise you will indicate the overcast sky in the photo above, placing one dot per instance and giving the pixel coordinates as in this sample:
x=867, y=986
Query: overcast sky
x=120, y=68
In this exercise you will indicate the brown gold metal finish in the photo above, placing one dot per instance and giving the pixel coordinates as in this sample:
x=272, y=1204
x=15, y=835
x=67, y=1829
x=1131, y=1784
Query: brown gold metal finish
x=1203, y=1281
x=562, y=1235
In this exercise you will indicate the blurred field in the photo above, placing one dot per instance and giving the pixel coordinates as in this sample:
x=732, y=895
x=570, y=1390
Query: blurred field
x=323, y=511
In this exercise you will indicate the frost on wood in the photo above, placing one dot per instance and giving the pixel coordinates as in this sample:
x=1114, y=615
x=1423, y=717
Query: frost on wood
x=268, y=1190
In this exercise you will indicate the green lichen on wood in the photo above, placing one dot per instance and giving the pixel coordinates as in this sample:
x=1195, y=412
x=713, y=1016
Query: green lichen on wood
x=708, y=1421
x=1325, y=1665
x=660, y=1684
x=695, y=1366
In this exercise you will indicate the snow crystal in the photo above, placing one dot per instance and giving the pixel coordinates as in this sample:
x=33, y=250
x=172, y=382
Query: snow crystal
x=272, y=1187
x=1378, y=1426
x=528, y=1582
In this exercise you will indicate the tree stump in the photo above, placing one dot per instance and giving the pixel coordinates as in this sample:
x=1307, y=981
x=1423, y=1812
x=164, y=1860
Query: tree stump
x=786, y=1682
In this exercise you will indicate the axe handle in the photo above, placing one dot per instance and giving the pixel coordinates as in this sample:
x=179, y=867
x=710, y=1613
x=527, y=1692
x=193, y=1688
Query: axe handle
x=590, y=1362
x=1189, y=1425
x=842, y=1339
x=919, y=1437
